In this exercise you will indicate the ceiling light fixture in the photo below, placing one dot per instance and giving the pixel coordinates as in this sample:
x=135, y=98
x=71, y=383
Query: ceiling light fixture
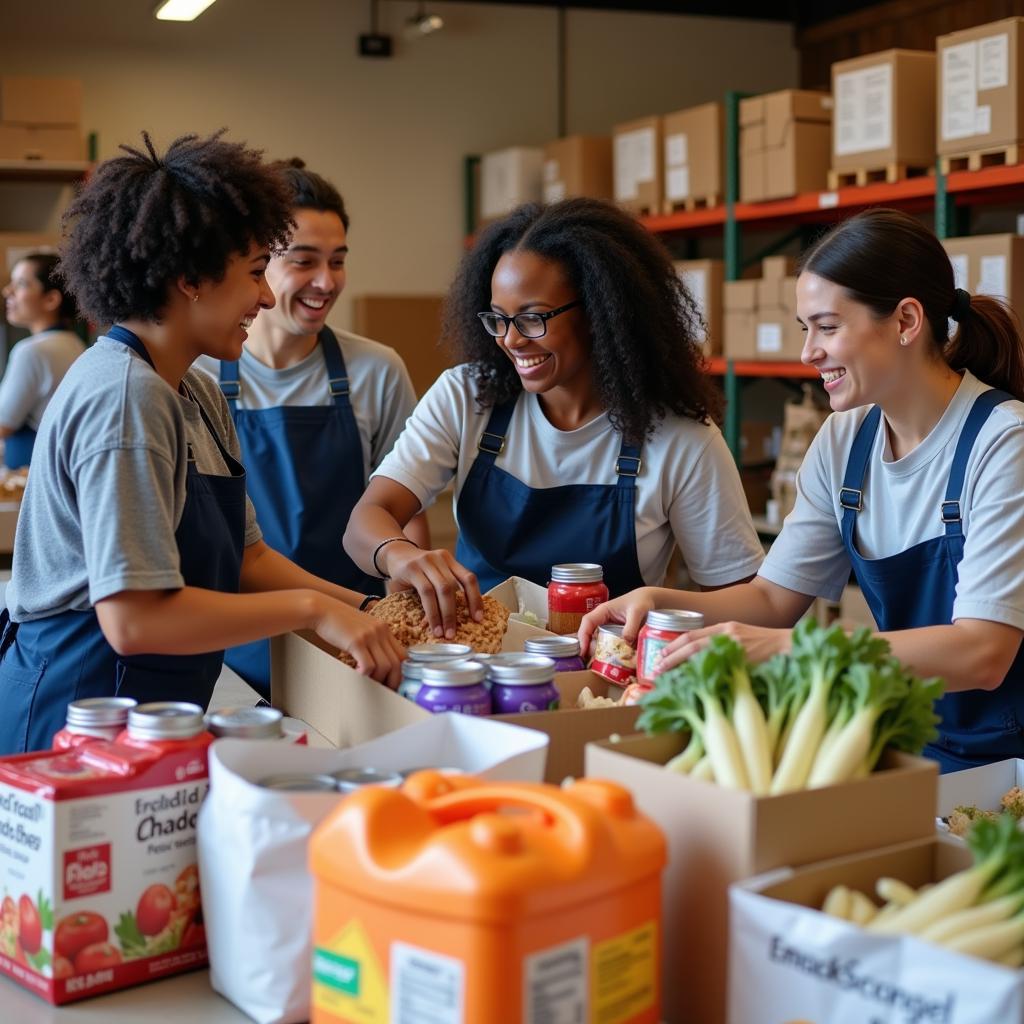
x=181, y=10
x=422, y=24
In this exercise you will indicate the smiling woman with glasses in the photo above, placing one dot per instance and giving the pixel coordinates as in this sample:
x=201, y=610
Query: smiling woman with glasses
x=580, y=427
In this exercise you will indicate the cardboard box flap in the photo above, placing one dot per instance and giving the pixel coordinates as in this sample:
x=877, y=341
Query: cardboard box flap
x=752, y=111
x=981, y=787
x=784, y=109
x=740, y=296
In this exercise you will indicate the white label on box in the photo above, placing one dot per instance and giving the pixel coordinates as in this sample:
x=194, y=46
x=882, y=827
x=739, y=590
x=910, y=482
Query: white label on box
x=425, y=986
x=677, y=183
x=826, y=200
x=959, y=91
x=959, y=270
x=556, y=982
x=769, y=338
x=550, y=170
x=993, y=277
x=696, y=283
x=676, y=150
x=644, y=155
x=625, y=166
x=994, y=62
x=864, y=110
x=983, y=120
x=554, y=191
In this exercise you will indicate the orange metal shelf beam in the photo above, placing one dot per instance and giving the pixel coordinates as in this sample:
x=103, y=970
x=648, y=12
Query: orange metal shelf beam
x=756, y=368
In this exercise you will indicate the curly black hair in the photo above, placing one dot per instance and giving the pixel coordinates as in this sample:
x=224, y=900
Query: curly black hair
x=142, y=221
x=643, y=322
x=311, y=191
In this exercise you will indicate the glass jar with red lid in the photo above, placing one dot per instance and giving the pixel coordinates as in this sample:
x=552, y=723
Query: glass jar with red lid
x=575, y=589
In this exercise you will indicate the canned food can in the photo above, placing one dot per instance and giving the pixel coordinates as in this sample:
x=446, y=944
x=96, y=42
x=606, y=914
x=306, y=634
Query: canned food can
x=438, y=652
x=300, y=782
x=614, y=657
x=564, y=650
x=101, y=718
x=455, y=686
x=575, y=589
x=249, y=723
x=166, y=720
x=661, y=628
x=522, y=682
x=347, y=780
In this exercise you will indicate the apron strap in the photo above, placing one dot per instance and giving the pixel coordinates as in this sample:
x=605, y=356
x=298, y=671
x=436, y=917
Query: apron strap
x=337, y=374
x=628, y=465
x=230, y=383
x=132, y=340
x=851, y=494
x=950, y=511
x=492, y=440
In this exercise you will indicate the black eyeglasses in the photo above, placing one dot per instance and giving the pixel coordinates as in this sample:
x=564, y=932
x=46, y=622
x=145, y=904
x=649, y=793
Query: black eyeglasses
x=529, y=325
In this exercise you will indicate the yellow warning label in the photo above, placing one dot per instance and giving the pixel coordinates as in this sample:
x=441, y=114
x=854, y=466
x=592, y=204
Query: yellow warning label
x=347, y=978
x=623, y=975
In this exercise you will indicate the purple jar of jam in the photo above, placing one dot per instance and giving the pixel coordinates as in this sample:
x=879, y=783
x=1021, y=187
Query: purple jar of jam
x=454, y=686
x=420, y=655
x=522, y=682
x=563, y=650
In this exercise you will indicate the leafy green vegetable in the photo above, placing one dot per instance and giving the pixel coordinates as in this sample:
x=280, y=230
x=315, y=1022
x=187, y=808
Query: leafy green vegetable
x=133, y=942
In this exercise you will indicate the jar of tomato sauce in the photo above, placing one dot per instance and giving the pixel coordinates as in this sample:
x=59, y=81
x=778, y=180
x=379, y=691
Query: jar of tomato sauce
x=575, y=589
x=93, y=718
x=166, y=725
x=661, y=628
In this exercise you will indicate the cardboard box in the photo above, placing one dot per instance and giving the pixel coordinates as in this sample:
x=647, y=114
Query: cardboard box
x=990, y=265
x=778, y=334
x=759, y=442
x=981, y=787
x=739, y=319
x=884, y=108
x=979, y=88
x=704, y=280
x=694, y=154
x=579, y=165
x=790, y=962
x=40, y=142
x=760, y=314
x=637, y=164
x=411, y=325
x=509, y=178
x=718, y=836
x=40, y=101
x=16, y=245
x=785, y=144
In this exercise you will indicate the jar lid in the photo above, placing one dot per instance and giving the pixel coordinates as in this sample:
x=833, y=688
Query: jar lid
x=439, y=652
x=246, y=722
x=612, y=630
x=454, y=673
x=349, y=779
x=554, y=646
x=521, y=670
x=413, y=669
x=94, y=711
x=166, y=720
x=675, y=619
x=577, y=572
x=300, y=782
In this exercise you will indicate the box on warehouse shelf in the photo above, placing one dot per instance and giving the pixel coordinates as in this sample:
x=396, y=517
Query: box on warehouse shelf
x=785, y=144
x=41, y=142
x=704, y=280
x=980, y=107
x=989, y=265
x=637, y=165
x=717, y=836
x=264, y=971
x=884, y=112
x=789, y=961
x=578, y=165
x=694, y=148
x=982, y=787
x=739, y=319
x=508, y=178
x=760, y=314
x=34, y=100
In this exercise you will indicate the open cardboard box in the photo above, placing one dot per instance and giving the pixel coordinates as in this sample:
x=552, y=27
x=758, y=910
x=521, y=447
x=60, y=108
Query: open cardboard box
x=981, y=787
x=717, y=836
x=790, y=962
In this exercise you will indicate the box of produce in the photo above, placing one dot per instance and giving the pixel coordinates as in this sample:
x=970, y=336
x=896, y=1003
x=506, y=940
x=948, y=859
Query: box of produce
x=748, y=768
x=923, y=931
x=982, y=792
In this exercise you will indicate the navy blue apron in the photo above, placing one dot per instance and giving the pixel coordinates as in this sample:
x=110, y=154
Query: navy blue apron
x=18, y=447
x=916, y=588
x=509, y=529
x=306, y=474
x=47, y=663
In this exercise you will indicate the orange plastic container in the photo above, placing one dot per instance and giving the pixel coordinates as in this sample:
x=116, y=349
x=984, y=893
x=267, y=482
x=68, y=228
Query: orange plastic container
x=459, y=901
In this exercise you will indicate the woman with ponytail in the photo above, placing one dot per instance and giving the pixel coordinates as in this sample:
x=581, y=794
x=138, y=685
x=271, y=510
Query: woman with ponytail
x=915, y=484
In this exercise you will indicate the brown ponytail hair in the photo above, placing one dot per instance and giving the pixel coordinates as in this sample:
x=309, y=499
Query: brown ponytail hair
x=881, y=256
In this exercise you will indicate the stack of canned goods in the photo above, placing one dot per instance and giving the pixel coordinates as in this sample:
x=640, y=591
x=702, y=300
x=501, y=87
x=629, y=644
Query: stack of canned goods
x=420, y=655
x=346, y=780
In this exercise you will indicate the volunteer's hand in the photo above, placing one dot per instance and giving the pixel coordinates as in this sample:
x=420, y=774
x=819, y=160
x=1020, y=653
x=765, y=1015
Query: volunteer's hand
x=373, y=646
x=437, y=577
x=759, y=642
x=631, y=609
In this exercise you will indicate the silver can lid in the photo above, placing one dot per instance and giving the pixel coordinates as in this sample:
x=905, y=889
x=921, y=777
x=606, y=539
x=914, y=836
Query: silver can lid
x=521, y=669
x=100, y=711
x=675, y=620
x=439, y=652
x=413, y=669
x=613, y=630
x=577, y=572
x=166, y=720
x=349, y=779
x=300, y=782
x=554, y=646
x=246, y=722
x=454, y=673
x=444, y=770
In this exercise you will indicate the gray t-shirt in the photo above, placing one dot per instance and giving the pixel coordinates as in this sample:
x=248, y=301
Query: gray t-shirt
x=107, y=485
x=381, y=392
x=901, y=508
x=36, y=366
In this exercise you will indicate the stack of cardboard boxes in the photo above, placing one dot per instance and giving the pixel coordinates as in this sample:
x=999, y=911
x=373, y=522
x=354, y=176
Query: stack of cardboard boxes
x=694, y=172
x=990, y=265
x=760, y=314
x=638, y=168
x=579, y=165
x=40, y=119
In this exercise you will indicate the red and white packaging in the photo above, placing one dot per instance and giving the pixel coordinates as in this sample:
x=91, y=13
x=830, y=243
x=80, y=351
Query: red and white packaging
x=98, y=865
x=614, y=657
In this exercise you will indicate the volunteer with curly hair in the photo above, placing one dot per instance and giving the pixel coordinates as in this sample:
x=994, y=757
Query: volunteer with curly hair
x=578, y=429
x=316, y=409
x=914, y=484
x=136, y=534
x=37, y=300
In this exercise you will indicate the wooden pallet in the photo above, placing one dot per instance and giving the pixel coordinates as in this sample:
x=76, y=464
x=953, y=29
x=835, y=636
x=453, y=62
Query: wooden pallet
x=889, y=174
x=691, y=203
x=997, y=156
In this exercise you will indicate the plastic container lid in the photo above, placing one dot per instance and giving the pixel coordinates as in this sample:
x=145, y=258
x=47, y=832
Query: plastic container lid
x=250, y=723
x=521, y=669
x=100, y=711
x=554, y=646
x=165, y=720
x=439, y=652
x=577, y=572
x=675, y=620
x=454, y=673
